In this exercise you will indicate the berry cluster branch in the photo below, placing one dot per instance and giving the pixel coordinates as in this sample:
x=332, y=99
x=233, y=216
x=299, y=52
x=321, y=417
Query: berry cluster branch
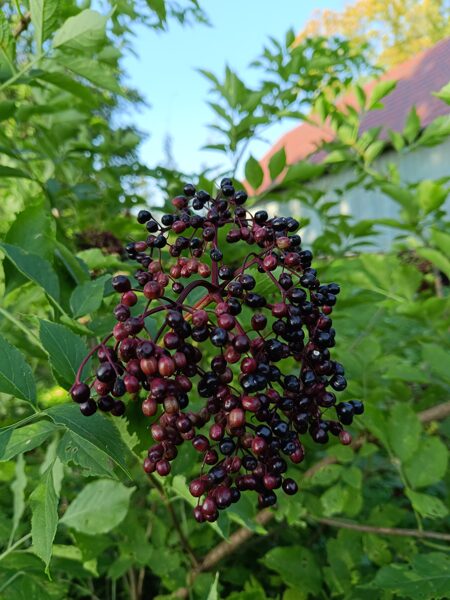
x=242, y=535
x=241, y=376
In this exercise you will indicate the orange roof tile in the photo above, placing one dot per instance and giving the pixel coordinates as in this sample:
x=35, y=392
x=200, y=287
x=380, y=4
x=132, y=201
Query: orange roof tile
x=417, y=77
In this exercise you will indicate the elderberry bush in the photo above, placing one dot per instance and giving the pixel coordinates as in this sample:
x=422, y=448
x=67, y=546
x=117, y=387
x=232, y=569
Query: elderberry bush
x=240, y=378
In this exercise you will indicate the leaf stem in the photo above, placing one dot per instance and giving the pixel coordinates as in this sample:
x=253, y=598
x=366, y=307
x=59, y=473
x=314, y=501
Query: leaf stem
x=15, y=545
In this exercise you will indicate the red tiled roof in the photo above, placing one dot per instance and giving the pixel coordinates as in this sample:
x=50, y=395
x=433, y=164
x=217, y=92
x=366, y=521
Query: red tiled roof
x=417, y=77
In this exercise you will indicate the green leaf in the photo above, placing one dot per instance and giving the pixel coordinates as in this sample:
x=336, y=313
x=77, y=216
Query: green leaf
x=34, y=231
x=99, y=507
x=254, y=173
x=428, y=506
x=159, y=6
x=438, y=259
x=396, y=140
x=403, y=429
x=373, y=151
x=74, y=265
x=428, y=464
x=101, y=75
x=7, y=45
x=381, y=90
x=44, y=520
x=7, y=109
x=16, y=376
x=96, y=432
x=15, y=441
x=324, y=476
x=35, y=268
x=303, y=171
x=441, y=240
x=44, y=19
x=13, y=172
x=438, y=360
x=277, y=163
x=360, y=96
x=426, y=577
x=85, y=31
x=444, y=93
x=333, y=501
x=430, y=195
x=297, y=567
x=213, y=593
x=65, y=349
x=94, y=462
x=18, y=489
x=87, y=297
x=412, y=126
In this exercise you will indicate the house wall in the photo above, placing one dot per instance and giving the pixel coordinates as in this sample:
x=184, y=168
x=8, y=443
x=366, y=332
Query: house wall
x=423, y=163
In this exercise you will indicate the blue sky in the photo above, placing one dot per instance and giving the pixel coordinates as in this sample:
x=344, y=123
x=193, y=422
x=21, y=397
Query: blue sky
x=164, y=71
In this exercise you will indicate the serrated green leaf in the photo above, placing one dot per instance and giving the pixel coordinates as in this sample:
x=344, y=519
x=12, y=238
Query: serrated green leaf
x=87, y=297
x=430, y=195
x=380, y=91
x=35, y=268
x=277, y=163
x=16, y=376
x=65, y=349
x=373, y=151
x=441, y=240
x=426, y=577
x=18, y=489
x=23, y=439
x=297, y=568
x=427, y=506
x=85, y=31
x=403, y=430
x=99, y=507
x=437, y=258
x=44, y=520
x=438, y=360
x=44, y=19
x=444, y=93
x=213, y=593
x=159, y=6
x=334, y=499
x=254, y=173
x=13, y=172
x=428, y=464
x=303, y=171
x=96, y=430
x=101, y=75
x=73, y=449
x=412, y=125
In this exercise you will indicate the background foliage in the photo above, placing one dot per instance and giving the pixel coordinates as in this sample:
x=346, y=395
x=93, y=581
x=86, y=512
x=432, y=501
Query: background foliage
x=78, y=518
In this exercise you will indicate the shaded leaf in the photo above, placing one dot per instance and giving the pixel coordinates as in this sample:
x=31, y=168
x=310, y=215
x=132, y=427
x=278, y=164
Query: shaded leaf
x=35, y=268
x=66, y=351
x=23, y=439
x=16, y=376
x=99, y=507
x=97, y=431
x=44, y=520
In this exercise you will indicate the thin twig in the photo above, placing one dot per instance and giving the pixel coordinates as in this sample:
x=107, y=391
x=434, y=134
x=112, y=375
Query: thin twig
x=433, y=535
x=184, y=541
x=23, y=25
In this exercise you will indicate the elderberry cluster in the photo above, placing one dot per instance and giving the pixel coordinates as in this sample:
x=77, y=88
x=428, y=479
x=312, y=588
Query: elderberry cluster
x=242, y=370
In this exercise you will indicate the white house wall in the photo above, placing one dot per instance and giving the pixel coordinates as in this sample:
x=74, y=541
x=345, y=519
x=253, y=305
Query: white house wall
x=424, y=163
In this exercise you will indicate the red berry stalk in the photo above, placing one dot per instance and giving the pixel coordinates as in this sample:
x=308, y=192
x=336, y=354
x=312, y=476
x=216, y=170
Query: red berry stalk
x=240, y=378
